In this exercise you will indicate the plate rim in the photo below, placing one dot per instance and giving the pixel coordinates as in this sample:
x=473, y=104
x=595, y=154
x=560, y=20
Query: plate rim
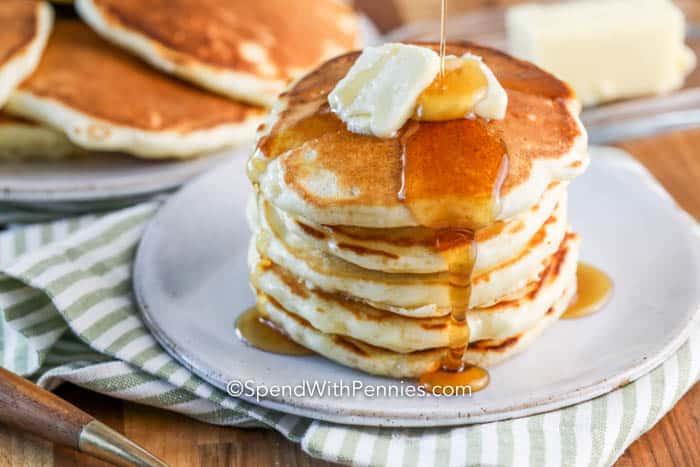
x=324, y=411
x=123, y=190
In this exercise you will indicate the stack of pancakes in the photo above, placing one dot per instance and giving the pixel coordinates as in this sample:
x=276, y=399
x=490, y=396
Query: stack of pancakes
x=355, y=237
x=157, y=79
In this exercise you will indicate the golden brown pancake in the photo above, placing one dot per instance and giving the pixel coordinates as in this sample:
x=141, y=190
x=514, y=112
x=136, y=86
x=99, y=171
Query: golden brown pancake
x=269, y=41
x=19, y=26
x=82, y=74
x=25, y=25
x=86, y=73
x=445, y=165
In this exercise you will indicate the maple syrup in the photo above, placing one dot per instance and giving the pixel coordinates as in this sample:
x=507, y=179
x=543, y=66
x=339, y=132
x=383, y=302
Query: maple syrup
x=459, y=86
x=443, y=36
x=453, y=94
x=454, y=189
x=260, y=333
x=473, y=377
x=303, y=130
x=459, y=249
x=594, y=289
x=452, y=177
x=452, y=173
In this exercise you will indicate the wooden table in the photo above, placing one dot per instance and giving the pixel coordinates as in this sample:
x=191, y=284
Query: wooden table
x=675, y=440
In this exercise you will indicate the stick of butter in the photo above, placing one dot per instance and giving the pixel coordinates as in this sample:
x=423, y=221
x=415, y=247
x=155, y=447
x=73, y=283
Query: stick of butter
x=605, y=49
x=379, y=93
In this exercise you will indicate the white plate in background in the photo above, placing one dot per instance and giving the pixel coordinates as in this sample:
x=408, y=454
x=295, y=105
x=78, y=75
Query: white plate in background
x=100, y=177
x=74, y=185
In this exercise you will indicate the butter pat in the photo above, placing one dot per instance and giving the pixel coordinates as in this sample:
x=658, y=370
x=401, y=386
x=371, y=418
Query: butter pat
x=378, y=95
x=605, y=49
x=391, y=83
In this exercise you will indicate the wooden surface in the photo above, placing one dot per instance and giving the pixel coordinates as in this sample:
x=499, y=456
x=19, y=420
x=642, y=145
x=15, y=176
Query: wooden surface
x=674, y=441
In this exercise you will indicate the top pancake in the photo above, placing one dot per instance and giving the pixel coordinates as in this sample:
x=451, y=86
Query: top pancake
x=105, y=99
x=309, y=164
x=25, y=27
x=245, y=49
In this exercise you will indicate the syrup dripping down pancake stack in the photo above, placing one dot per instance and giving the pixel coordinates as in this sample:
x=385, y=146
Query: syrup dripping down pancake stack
x=447, y=245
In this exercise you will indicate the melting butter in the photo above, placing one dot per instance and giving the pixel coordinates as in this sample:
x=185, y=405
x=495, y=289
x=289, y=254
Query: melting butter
x=378, y=95
x=389, y=84
x=467, y=89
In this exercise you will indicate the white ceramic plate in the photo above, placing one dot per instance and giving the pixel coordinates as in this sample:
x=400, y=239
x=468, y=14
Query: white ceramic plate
x=99, y=178
x=191, y=283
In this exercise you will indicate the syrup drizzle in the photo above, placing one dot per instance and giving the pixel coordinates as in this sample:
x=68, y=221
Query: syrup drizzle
x=453, y=188
x=443, y=36
x=594, y=289
x=255, y=330
x=454, y=95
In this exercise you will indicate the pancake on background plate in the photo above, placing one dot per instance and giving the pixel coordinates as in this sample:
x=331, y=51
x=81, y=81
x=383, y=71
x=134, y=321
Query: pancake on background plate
x=354, y=236
x=104, y=99
x=22, y=139
x=244, y=49
x=26, y=25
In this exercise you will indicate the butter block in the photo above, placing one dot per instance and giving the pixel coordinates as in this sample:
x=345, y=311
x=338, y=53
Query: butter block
x=605, y=49
x=378, y=95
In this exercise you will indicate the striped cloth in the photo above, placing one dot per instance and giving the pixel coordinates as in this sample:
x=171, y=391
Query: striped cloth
x=67, y=315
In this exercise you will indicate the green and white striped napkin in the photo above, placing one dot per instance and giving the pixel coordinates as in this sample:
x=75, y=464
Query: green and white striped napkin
x=67, y=315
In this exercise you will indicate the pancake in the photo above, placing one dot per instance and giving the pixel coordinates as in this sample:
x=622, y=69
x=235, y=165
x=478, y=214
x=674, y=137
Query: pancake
x=308, y=164
x=104, y=99
x=415, y=295
x=377, y=360
x=242, y=49
x=411, y=249
x=22, y=139
x=446, y=244
x=336, y=314
x=26, y=25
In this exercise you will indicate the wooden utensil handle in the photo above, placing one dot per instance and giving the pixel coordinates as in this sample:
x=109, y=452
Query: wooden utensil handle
x=28, y=407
